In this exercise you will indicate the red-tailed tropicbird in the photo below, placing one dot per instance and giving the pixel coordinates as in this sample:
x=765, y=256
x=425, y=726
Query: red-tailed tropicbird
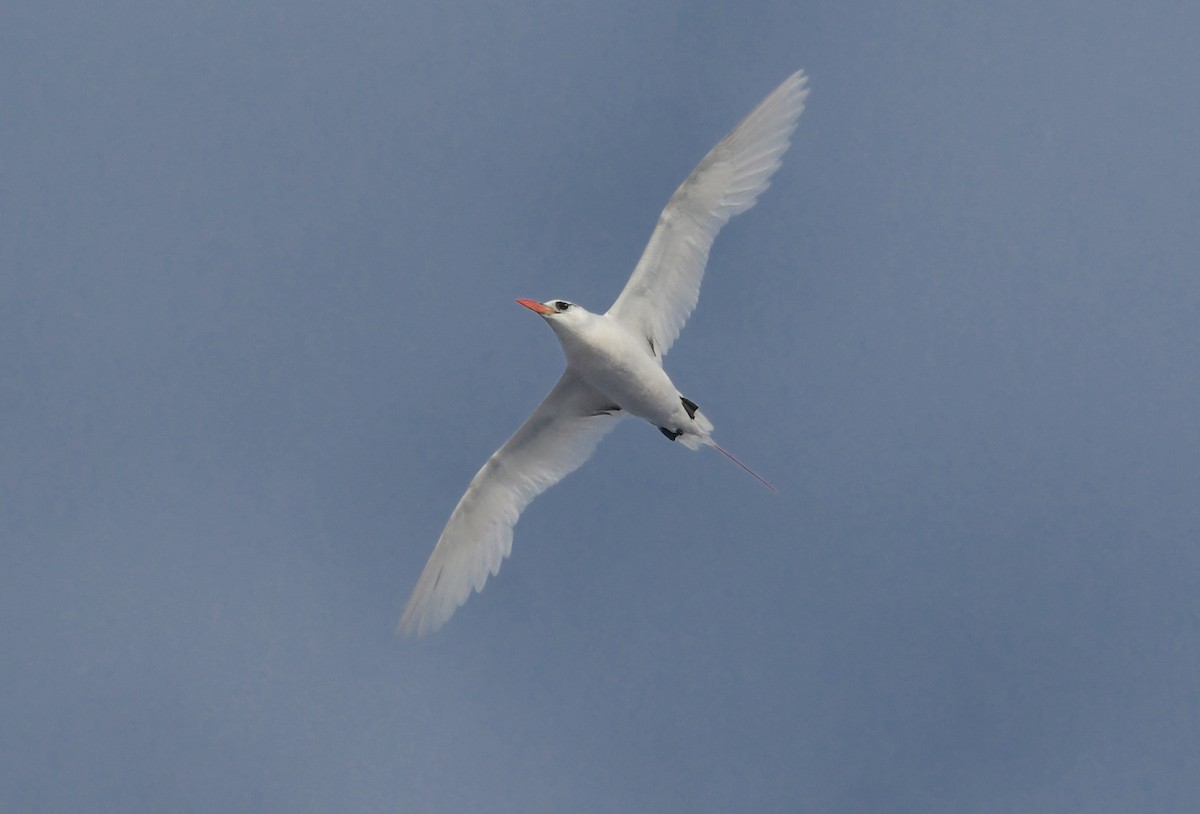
x=614, y=363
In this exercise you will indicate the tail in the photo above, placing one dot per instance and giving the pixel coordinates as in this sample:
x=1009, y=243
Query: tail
x=693, y=440
x=730, y=456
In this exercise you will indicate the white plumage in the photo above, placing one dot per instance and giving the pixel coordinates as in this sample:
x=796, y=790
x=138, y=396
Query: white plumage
x=614, y=362
x=664, y=288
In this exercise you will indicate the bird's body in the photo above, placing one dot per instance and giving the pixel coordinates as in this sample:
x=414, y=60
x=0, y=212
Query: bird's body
x=614, y=363
x=620, y=364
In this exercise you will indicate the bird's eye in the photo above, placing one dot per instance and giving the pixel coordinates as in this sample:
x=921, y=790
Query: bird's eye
x=562, y=306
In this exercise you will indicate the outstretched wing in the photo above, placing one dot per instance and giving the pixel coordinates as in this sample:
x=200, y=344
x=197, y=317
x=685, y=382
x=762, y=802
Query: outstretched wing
x=551, y=444
x=665, y=286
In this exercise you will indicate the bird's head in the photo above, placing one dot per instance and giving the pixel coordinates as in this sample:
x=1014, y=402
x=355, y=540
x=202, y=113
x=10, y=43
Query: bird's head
x=561, y=314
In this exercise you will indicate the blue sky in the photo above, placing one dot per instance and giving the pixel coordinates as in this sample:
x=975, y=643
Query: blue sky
x=258, y=265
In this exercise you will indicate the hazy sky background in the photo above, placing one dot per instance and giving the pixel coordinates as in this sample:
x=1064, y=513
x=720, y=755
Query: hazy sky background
x=257, y=271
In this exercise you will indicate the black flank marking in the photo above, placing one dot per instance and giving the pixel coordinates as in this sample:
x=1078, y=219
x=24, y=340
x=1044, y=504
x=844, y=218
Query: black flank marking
x=690, y=406
x=672, y=434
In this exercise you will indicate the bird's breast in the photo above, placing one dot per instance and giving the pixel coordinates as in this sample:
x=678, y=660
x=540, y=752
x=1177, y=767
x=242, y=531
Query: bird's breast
x=619, y=365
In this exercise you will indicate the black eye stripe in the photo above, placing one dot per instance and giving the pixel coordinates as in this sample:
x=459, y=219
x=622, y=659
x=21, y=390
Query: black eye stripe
x=562, y=306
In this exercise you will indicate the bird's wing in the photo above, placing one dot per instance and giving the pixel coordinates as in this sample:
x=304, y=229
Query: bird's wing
x=552, y=443
x=665, y=286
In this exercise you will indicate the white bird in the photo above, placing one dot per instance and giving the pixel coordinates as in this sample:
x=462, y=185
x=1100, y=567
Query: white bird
x=614, y=363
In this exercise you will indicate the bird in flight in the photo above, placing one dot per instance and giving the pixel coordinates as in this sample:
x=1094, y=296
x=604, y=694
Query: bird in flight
x=614, y=363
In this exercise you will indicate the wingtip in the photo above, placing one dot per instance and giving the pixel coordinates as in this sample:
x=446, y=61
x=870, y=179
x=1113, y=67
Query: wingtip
x=792, y=91
x=417, y=624
x=422, y=616
x=407, y=627
x=797, y=87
